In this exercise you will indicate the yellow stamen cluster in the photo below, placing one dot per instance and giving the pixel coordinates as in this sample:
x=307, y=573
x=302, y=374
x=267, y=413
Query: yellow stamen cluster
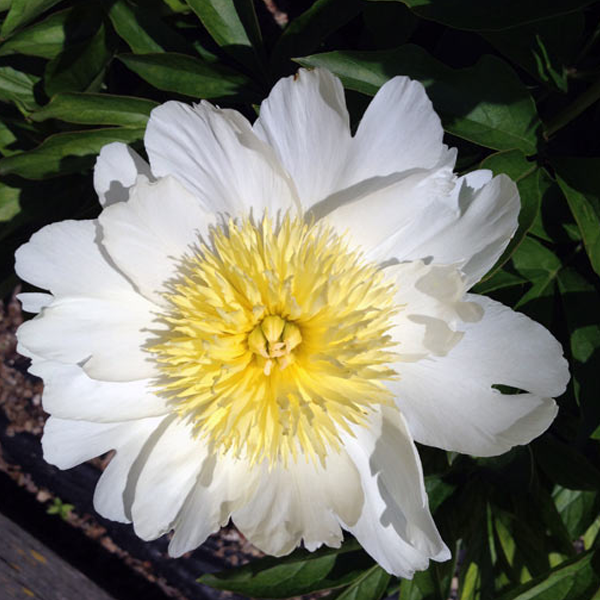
x=276, y=340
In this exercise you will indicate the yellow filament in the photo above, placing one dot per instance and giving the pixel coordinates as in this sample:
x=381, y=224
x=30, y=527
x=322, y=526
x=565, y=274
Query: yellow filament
x=276, y=340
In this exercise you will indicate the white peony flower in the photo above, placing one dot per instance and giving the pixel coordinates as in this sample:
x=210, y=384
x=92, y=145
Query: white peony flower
x=265, y=319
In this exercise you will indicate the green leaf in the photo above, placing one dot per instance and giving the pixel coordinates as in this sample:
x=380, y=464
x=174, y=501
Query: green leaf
x=305, y=33
x=427, y=585
x=579, y=179
x=144, y=31
x=17, y=87
x=578, y=509
x=371, y=585
x=22, y=12
x=437, y=491
x=544, y=49
x=233, y=25
x=491, y=14
x=486, y=104
x=190, y=76
x=498, y=281
x=9, y=202
x=538, y=265
x=581, y=300
x=63, y=153
x=476, y=574
x=527, y=177
x=574, y=579
x=300, y=573
x=591, y=536
x=97, y=109
x=79, y=67
x=47, y=38
x=565, y=465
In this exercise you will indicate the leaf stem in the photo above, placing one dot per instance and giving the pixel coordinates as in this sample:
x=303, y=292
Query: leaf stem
x=585, y=100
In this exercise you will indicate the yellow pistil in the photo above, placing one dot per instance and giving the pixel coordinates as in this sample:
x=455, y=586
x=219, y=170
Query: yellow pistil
x=276, y=340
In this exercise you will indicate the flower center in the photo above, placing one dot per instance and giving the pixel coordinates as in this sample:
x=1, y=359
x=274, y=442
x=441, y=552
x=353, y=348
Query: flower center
x=276, y=340
x=273, y=340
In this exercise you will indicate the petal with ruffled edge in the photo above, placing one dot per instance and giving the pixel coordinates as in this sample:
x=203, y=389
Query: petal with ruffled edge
x=302, y=502
x=33, y=302
x=431, y=309
x=218, y=157
x=306, y=122
x=105, y=335
x=117, y=168
x=66, y=259
x=69, y=393
x=399, y=131
x=169, y=472
x=67, y=443
x=395, y=526
x=224, y=485
x=470, y=226
x=449, y=401
x=377, y=209
x=148, y=236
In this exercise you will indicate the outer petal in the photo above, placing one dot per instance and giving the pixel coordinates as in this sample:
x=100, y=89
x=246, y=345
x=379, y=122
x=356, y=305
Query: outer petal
x=306, y=121
x=66, y=259
x=449, y=401
x=302, y=502
x=395, y=526
x=68, y=443
x=471, y=226
x=117, y=168
x=218, y=157
x=398, y=132
x=108, y=335
x=432, y=309
x=223, y=486
x=69, y=393
x=148, y=236
x=34, y=302
x=378, y=209
x=113, y=496
x=169, y=472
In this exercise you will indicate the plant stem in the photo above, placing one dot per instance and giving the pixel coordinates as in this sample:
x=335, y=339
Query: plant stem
x=591, y=95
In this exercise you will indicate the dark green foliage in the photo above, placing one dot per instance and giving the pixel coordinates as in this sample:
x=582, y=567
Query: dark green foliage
x=516, y=83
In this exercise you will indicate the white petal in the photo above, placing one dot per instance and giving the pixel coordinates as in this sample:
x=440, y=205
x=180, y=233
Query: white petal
x=471, y=226
x=218, y=157
x=66, y=259
x=431, y=309
x=68, y=443
x=224, y=485
x=378, y=209
x=302, y=502
x=395, y=526
x=399, y=131
x=306, y=121
x=165, y=479
x=117, y=168
x=108, y=334
x=449, y=403
x=113, y=495
x=148, y=236
x=33, y=302
x=69, y=393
